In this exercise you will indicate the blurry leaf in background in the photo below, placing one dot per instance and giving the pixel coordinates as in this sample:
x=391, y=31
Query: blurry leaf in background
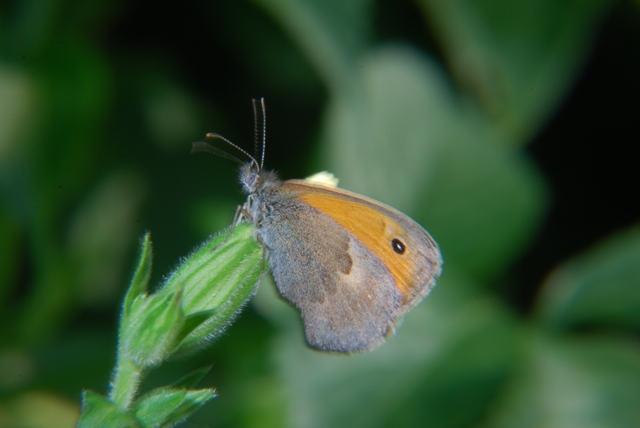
x=210, y=215
x=100, y=234
x=39, y=409
x=72, y=88
x=17, y=369
x=265, y=51
x=572, y=383
x=16, y=109
x=484, y=207
x=381, y=141
x=517, y=59
x=17, y=106
x=80, y=359
x=598, y=288
x=75, y=90
x=171, y=115
x=10, y=250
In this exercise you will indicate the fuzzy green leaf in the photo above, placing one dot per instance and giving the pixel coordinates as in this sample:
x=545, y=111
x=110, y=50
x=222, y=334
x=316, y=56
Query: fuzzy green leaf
x=155, y=407
x=193, y=321
x=154, y=322
x=98, y=411
x=141, y=276
x=197, y=301
x=193, y=400
x=191, y=379
x=166, y=406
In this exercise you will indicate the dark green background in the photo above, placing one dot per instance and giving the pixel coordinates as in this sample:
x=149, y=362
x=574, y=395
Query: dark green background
x=508, y=129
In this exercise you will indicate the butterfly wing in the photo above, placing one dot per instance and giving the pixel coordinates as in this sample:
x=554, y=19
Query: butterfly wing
x=351, y=265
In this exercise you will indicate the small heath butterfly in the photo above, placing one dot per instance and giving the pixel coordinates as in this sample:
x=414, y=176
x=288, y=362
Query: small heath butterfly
x=351, y=265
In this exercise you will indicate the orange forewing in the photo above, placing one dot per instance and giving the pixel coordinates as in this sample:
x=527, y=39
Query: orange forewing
x=375, y=227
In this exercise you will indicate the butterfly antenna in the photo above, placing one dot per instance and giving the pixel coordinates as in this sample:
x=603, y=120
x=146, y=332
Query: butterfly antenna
x=264, y=131
x=201, y=146
x=256, y=132
x=213, y=135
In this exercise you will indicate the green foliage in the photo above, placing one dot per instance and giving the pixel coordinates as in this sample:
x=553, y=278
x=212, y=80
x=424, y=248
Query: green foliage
x=429, y=106
x=598, y=288
x=514, y=59
x=165, y=406
x=98, y=411
x=152, y=330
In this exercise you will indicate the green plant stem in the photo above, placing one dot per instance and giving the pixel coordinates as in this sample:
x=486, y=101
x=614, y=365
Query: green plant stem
x=125, y=382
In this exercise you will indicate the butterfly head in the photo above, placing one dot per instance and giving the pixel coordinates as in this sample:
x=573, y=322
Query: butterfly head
x=255, y=180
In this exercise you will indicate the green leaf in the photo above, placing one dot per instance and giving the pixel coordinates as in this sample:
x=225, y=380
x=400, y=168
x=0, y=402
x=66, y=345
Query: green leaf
x=154, y=408
x=572, y=383
x=192, y=378
x=191, y=402
x=517, y=59
x=141, y=276
x=599, y=287
x=98, y=411
x=197, y=301
x=194, y=321
x=167, y=406
x=149, y=333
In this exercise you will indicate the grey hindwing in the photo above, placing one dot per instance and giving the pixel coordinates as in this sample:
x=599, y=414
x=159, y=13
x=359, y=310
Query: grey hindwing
x=345, y=294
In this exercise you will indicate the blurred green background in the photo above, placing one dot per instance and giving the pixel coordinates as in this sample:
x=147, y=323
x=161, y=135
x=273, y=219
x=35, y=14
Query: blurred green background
x=508, y=129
